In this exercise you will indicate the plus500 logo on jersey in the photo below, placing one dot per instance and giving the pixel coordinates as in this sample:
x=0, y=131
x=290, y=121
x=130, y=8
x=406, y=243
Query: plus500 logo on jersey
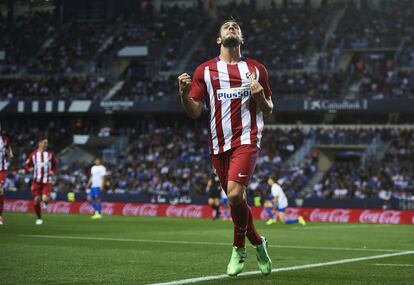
x=233, y=93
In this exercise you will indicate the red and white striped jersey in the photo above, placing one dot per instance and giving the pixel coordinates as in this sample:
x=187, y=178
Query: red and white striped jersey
x=4, y=146
x=42, y=162
x=235, y=118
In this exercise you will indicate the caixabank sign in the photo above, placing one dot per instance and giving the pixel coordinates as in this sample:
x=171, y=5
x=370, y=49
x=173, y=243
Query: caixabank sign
x=335, y=105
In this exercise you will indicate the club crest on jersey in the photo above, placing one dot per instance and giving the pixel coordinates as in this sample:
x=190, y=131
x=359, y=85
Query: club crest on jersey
x=233, y=93
x=249, y=75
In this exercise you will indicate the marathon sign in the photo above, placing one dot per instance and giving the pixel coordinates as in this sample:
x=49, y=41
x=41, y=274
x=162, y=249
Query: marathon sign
x=335, y=105
x=111, y=106
x=328, y=215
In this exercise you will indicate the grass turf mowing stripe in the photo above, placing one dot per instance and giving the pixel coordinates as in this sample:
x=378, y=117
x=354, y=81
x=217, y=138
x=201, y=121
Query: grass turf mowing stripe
x=204, y=243
x=306, y=266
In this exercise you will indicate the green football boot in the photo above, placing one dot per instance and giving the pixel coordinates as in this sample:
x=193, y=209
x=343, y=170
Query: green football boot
x=301, y=221
x=236, y=263
x=263, y=259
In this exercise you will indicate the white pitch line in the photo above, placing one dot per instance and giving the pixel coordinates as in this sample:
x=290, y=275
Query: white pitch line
x=306, y=266
x=208, y=243
x=335, y=248
x=393, y=264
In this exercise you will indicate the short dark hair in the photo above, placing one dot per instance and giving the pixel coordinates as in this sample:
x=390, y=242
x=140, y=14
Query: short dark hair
x=231, y=19
x=41, y=137
x=273, y=177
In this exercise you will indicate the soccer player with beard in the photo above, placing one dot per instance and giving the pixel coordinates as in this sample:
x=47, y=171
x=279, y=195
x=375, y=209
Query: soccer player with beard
x=43, y=163
x=6, y=153
x=237, y=94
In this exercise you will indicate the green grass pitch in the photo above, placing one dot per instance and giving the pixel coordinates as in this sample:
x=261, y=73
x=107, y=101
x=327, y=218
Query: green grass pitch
x=73, y=249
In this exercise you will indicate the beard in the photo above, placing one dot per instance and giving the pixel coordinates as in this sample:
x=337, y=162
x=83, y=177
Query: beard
x=232, y=41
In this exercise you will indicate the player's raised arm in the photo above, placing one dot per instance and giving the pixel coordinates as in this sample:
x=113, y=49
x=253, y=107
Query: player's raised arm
x=275, y=201
x=88, y=184
x=54, y=161
x=103, y=182
x=10, y=152
x=192, y=107
x=28, y=164
x=265, y=103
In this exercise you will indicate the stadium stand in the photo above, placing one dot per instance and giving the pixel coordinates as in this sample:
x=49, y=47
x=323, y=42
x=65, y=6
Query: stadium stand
x=167, y=163
x=283, y=42
x=376, y=27
x=391, y=175
x=71, y=87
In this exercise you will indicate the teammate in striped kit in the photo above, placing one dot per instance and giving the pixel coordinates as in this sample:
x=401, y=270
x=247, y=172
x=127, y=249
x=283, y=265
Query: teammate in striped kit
x=237, y=94
x=43, y=163
x=6, y=154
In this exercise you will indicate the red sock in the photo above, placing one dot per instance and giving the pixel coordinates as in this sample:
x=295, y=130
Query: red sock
x=252, y=234
x=38, y=211
x=1, y=204
x=240, y=216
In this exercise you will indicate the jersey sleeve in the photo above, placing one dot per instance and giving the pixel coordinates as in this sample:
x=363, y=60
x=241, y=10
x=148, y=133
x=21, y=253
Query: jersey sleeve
x=7, y=141
x=7, y=146
x=28, y=163
x=264, y=80
x=54, y=163
x=198, y=89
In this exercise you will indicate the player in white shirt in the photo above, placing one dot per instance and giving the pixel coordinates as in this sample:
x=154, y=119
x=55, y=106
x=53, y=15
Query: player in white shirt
x=96, y=183
x=277, y=200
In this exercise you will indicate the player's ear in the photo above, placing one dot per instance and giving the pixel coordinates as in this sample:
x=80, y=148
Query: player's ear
x=218, y=41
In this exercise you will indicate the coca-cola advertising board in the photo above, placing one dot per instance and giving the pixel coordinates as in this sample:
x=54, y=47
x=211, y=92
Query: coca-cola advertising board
x=203, y=211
